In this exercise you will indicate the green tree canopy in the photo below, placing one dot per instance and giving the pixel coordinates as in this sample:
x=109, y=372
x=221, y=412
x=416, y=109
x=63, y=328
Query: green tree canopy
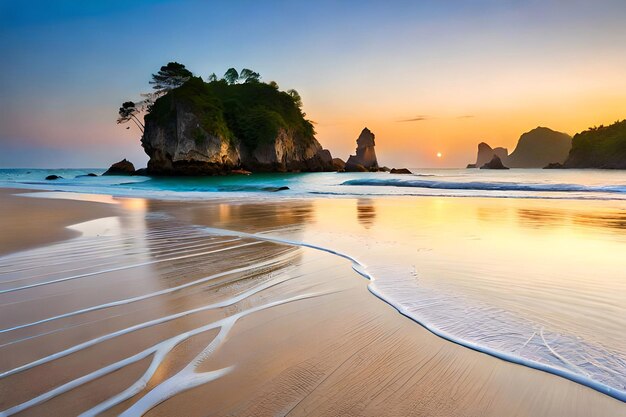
x=231, y=76
x=249, y=76
x=296, y=97
x=170, y=76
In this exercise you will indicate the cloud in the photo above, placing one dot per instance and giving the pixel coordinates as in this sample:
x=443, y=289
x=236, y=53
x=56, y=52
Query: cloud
x=422, y=117
x=415, y=119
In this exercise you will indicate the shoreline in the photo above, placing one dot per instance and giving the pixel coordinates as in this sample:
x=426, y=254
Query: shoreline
x=341, y=312
x=40, y=222
x=361, y=269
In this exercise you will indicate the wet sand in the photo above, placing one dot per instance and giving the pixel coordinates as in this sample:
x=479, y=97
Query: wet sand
x=27, y=222
x=231, y=326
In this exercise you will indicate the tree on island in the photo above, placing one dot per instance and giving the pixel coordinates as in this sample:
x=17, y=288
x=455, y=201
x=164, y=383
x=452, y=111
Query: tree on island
x=170, y=76
x=231, y=76
x=128, y=112
x=296, y=97
x=249, y=76
x=238, y=106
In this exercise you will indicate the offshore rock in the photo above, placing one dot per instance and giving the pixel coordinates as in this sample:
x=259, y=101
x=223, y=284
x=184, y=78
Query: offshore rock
x=122, y=167
x=352, y=167
x=365, y=153
x=495, y=163
x=553, y=165
x=486, y=154
x=400, y=171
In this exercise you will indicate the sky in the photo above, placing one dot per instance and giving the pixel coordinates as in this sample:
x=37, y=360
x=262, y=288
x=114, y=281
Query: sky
x=426, y=77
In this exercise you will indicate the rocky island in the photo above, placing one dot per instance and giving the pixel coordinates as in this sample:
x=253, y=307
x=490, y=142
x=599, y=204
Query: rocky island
x=535, y=149
x=486, y=153
x=538, y=148
x=197, y=127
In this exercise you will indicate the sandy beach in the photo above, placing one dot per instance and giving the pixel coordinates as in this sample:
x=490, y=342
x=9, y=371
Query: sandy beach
x=139, y=310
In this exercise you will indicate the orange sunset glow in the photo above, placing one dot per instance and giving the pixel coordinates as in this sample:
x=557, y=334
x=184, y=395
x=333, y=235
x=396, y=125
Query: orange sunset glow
x=425, y=78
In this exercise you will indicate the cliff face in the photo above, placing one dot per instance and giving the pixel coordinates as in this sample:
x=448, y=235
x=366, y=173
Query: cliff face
x=365, y=152
x=204, y=129
x=486, y=154
x=288, y=153
x=601, y=147
x=180, y=145
x=538, y=148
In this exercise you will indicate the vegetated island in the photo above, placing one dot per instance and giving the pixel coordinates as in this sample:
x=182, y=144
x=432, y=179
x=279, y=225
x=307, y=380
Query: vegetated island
x=196, y=127
x=599, y=147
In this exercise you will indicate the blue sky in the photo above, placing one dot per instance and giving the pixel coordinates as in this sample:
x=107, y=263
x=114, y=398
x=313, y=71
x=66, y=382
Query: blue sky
x=511, y=65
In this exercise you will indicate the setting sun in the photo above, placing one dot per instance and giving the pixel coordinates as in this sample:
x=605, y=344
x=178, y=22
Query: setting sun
x=439, y=155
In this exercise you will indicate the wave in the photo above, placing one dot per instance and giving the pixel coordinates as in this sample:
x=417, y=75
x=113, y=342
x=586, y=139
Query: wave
x=486, y=186
x=380, y=290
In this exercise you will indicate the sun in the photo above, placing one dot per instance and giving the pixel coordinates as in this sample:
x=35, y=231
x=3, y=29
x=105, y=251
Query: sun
x=439, y=154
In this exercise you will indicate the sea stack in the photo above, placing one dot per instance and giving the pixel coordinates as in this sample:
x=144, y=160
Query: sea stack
x=495, y=163
x=486, y=154
x=365, y=154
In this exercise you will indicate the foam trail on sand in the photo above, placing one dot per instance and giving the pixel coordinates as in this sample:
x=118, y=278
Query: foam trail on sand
x=159, y=350
x=136, y=327
x=145, y=296
x=173, y=249
x=375, y=289
x=121, y=268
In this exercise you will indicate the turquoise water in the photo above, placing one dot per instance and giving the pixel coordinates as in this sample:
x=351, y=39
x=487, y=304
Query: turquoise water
x=521, y=183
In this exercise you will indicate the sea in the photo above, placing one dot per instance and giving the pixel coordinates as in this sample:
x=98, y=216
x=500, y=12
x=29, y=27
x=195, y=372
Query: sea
x=514, y=183
x=527, y=265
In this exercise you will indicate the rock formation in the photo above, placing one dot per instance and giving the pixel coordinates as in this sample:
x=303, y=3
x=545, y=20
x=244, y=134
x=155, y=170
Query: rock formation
x=400, y=171
x=54, y=177
x=365, y=153
x=338, y=164
x=495, y=163
x=553, y=165
x=486, y=154
x=535, y=149
x=599, y=147
x=352, y=167
x=538, y=148
x=122, y=167
x=200, y=129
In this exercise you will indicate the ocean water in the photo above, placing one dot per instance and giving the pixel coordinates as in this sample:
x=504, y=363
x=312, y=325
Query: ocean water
x=530, y=266
x=520, y=183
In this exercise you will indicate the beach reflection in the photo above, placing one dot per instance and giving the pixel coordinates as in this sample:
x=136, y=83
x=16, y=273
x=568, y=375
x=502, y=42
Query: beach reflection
x=559, y=264
x=366, y=212
x=556, y=263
